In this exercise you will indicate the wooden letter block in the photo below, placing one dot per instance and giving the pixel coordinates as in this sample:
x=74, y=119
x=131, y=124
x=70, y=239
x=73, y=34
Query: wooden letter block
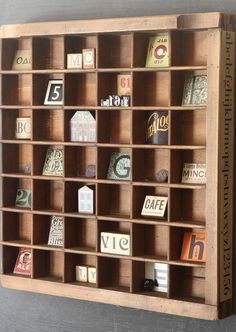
x=81, y=273
x=23, y=128
x=55, y=237
x=92, y=275
x=53, y=165
x=114, y=243
x=22, y=60
x=23, y=198
x=88, y=58
x=74, y=60
x=194, y=246
x=124, y=85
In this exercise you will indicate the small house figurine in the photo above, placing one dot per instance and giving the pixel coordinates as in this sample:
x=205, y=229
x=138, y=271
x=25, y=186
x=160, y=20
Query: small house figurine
x=86, y=200
x=83, y=127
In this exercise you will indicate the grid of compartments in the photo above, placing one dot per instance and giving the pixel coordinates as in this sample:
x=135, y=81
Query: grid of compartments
x=118, y=204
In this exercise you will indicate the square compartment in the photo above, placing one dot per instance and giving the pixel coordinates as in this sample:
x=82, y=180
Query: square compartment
x=41, y=230
x=177, y=86
x=71, y=197
x=68, y=115
x=52, y=268
x=9, y=48
x=9, y=117
x=179, y=157
x=116, y=274
x=10, y=255
x=189, y=48
x=17, y=159
x=139, y=194
x=139, y=130
x=40, y=155
x=71, y=261
x=77, y=159
x=118, y=227
x=155, y=160
x=81, y=89
x=48, y=53
x=115, y=51
x=187, y=283
x=150, y=241
x=48, y=125
x=17, y=227
x=104, y=157
x=114, y=126
x=114, y=200
x=107, y=85
x=9, y=188
x=76, y=44
x=81, y=234
x=188, y=205
x=17, y=89
x=138, y=276
x=40, y=85
x=48, y=196
x=151, y=89
x=188, y=127
x=176, y=244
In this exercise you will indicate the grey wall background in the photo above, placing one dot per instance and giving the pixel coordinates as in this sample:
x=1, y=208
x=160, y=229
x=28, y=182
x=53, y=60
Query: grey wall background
x=28, y=312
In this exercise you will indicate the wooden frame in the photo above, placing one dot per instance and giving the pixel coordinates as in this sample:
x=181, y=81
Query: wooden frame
x=196, y=134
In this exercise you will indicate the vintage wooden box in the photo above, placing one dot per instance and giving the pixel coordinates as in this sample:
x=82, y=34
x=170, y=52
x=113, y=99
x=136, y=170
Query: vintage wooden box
x=197, y=134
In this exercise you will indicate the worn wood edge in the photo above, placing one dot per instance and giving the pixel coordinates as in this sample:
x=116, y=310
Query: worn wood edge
x=128, y=24
x=226, y=167
x=136, y=301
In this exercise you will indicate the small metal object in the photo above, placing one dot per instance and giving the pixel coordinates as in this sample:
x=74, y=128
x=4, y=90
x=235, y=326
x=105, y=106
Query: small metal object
x=162, y=175
x=149, y=284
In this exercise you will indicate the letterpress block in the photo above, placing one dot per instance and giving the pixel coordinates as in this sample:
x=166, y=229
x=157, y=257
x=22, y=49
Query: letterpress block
x=119, y=167
x=124, y=85
x=86, y=200
x=114, y=243
x=74, y=60
x=194, y=246
x=194, y=173
x=53, y=165
x=105, y=102
x=114, y=100
x=22, y=60
x=55, y=237
x=92, y=275
x=81, y=273
x=154, y=206
x=23, y=128
x=195, y=90
x=23, y=198
x=125, y=101
x=23, y=262
x=54, y=93
x=158, y=54
x=88, y=58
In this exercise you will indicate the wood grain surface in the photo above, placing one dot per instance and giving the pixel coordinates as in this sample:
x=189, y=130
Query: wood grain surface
x=23, y=311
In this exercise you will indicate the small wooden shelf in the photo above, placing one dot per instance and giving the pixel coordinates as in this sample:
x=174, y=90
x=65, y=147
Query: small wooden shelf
x=199, y=43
